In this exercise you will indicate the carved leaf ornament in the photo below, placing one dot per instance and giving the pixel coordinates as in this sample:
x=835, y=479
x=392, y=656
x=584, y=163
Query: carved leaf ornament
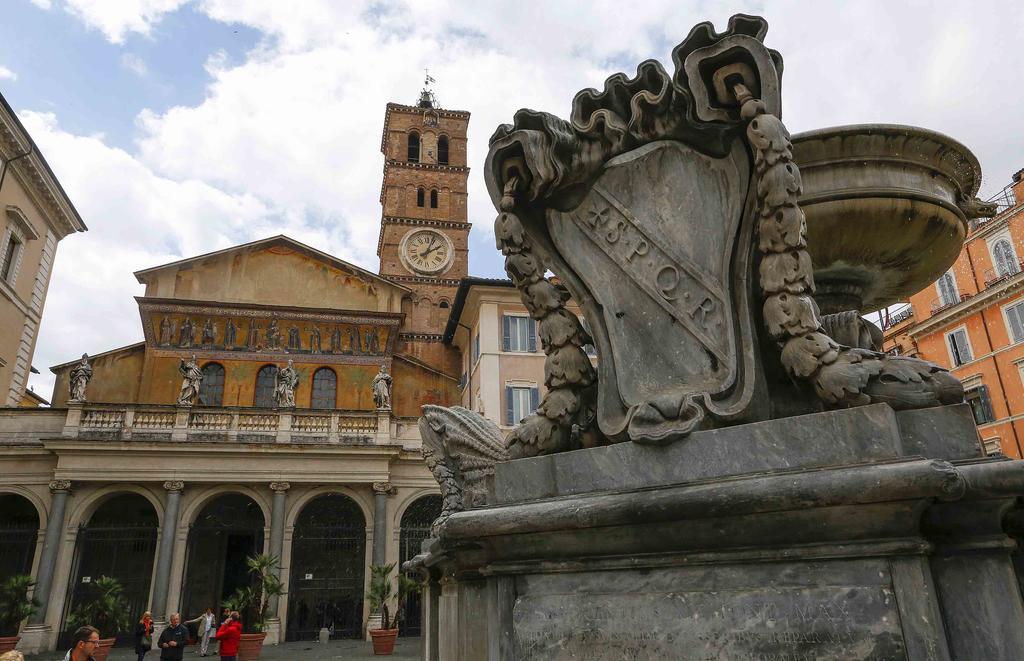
x=655, y=206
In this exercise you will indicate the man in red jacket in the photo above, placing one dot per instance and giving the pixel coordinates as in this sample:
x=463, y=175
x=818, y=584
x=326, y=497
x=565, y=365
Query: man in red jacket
x=229, y=634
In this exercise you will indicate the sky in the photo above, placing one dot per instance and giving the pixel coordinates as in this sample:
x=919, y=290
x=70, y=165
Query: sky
x=179, y=127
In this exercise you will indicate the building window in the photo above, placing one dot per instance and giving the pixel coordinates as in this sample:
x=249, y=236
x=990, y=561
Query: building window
x=993, y=446
x=211, y=390
x=1015, y=321
x=476, y=347
x=518, y=333
x=433, y=199
x=325, y=389
x=981, y=404
x=414, y=148
x=265, y=378
x=419, y=197
x=948, y=294
x=1004, y=259
x=442, y=150
x=10, y=257
x=959, y=347
x=520, y=401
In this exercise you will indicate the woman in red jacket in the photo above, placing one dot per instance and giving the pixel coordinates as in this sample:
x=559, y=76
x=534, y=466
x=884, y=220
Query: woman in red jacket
x=229, y=634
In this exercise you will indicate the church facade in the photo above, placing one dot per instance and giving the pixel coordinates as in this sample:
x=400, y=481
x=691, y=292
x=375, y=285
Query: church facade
x=169, y=490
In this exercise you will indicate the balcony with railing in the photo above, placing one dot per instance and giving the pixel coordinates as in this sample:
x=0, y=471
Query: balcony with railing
x=898, y=318
x=995, y=276
x=143, y=422
x=940, y=304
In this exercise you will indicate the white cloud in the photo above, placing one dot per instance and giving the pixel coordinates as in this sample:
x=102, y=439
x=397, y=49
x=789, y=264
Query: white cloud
x=116, y=18
x=7, y=74
x=135, y=64
x=287, y=140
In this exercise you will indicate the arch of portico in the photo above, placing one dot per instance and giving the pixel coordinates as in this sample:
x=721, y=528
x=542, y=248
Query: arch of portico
x=84, y=506
x=21, y=525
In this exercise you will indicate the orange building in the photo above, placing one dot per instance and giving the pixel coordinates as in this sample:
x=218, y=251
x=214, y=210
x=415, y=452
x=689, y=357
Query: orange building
x=971, y=320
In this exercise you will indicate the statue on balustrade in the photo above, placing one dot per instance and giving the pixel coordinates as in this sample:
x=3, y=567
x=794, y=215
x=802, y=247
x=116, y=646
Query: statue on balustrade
x=382, y=388
x=191, y=380
x=285, y=382
x=79, y=378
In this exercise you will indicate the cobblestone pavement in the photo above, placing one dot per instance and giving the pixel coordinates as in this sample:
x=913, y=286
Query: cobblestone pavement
x=336, y=650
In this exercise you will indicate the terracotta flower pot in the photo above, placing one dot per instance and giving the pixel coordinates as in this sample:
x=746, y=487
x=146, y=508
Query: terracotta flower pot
x=8, y=643
x=383, y=641
x=103, y=649
x=250, y=646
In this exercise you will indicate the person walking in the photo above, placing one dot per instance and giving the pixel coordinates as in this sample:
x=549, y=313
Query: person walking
x=144, y=635
x=229, y=634
x=205, y=629
x=83, y=644
x=173, y=639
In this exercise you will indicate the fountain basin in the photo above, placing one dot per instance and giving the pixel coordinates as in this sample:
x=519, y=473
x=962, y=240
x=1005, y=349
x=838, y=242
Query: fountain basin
x=887, y=210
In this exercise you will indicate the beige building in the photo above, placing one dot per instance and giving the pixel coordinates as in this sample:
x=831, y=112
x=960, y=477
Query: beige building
x=171, y=495
x=502, y=365
x=35, y=214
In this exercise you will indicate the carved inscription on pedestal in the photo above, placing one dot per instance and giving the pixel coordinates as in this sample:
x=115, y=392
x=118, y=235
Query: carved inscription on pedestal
x=802, y=624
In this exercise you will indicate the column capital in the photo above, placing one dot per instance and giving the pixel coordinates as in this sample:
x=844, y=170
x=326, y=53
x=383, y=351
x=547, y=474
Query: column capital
x=384, y=488
x=60, y=485
x=174, y=485
x=280, y=487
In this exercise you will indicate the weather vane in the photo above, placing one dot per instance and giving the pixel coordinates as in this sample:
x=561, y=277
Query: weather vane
x=427, y=98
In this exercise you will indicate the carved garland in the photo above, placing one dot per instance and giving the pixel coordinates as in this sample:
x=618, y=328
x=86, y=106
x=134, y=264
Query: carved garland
x=567, y=409
x=838, y=374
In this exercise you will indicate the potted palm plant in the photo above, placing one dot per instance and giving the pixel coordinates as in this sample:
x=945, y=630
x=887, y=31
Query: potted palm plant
x=382, y=593
x=15, y=606
x=106, y=609
x=253, y=602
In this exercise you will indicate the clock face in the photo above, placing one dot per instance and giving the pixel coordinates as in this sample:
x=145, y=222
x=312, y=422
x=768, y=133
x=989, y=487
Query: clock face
x=427, y=251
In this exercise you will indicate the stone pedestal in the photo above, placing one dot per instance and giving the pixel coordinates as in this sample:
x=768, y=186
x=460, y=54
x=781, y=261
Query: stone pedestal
x=37, y=638
x=273, y=629
x=857, y=534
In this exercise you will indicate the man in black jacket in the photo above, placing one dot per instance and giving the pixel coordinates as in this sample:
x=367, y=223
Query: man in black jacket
x=173, y=640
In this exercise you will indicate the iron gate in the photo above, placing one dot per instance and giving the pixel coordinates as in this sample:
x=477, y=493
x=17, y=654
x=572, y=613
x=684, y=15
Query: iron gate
x=124, y=553
x=19, y=529
x=328, y=556
x=415, y=528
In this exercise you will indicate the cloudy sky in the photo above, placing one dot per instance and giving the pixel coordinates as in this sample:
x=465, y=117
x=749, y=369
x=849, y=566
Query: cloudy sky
x=184, y=126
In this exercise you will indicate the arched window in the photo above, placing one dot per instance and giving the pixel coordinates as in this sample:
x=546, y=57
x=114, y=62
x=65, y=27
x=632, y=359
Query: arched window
x=443, y=305
x=1006, y=261
x=442, y=150
x=211, y=390
x=433, y=199
x=325, y=388
x=264, y=397
x=419, y=197
x=948, y=294
x=414, y=147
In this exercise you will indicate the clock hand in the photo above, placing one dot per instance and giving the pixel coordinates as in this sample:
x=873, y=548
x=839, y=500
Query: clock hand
x=430, y=249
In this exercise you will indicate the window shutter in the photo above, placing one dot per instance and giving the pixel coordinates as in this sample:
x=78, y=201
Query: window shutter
x=506, y=331
x=1016, y=327
x=534, y=399
x=986, y=404
x=965, y=349
x=532, y=326
x=508, y=406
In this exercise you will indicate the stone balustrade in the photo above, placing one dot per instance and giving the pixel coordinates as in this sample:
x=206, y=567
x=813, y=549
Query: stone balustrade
x=140, y=422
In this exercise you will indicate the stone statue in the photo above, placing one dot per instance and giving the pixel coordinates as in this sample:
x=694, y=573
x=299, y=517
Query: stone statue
x=382, y=388
x=79, y=378
x=460, y=448
x=191, y=379
x=284, y=386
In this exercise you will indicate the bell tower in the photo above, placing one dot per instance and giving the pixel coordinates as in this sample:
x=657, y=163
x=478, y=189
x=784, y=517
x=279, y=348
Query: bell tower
x=424, y=229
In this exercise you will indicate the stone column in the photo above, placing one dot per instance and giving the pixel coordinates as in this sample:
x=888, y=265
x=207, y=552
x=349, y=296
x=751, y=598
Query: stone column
x=166, y=551
x=277, y=514
x=381, y=491
x=34, y=637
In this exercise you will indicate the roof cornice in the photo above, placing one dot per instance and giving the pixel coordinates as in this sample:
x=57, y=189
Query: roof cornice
x=35, y=174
